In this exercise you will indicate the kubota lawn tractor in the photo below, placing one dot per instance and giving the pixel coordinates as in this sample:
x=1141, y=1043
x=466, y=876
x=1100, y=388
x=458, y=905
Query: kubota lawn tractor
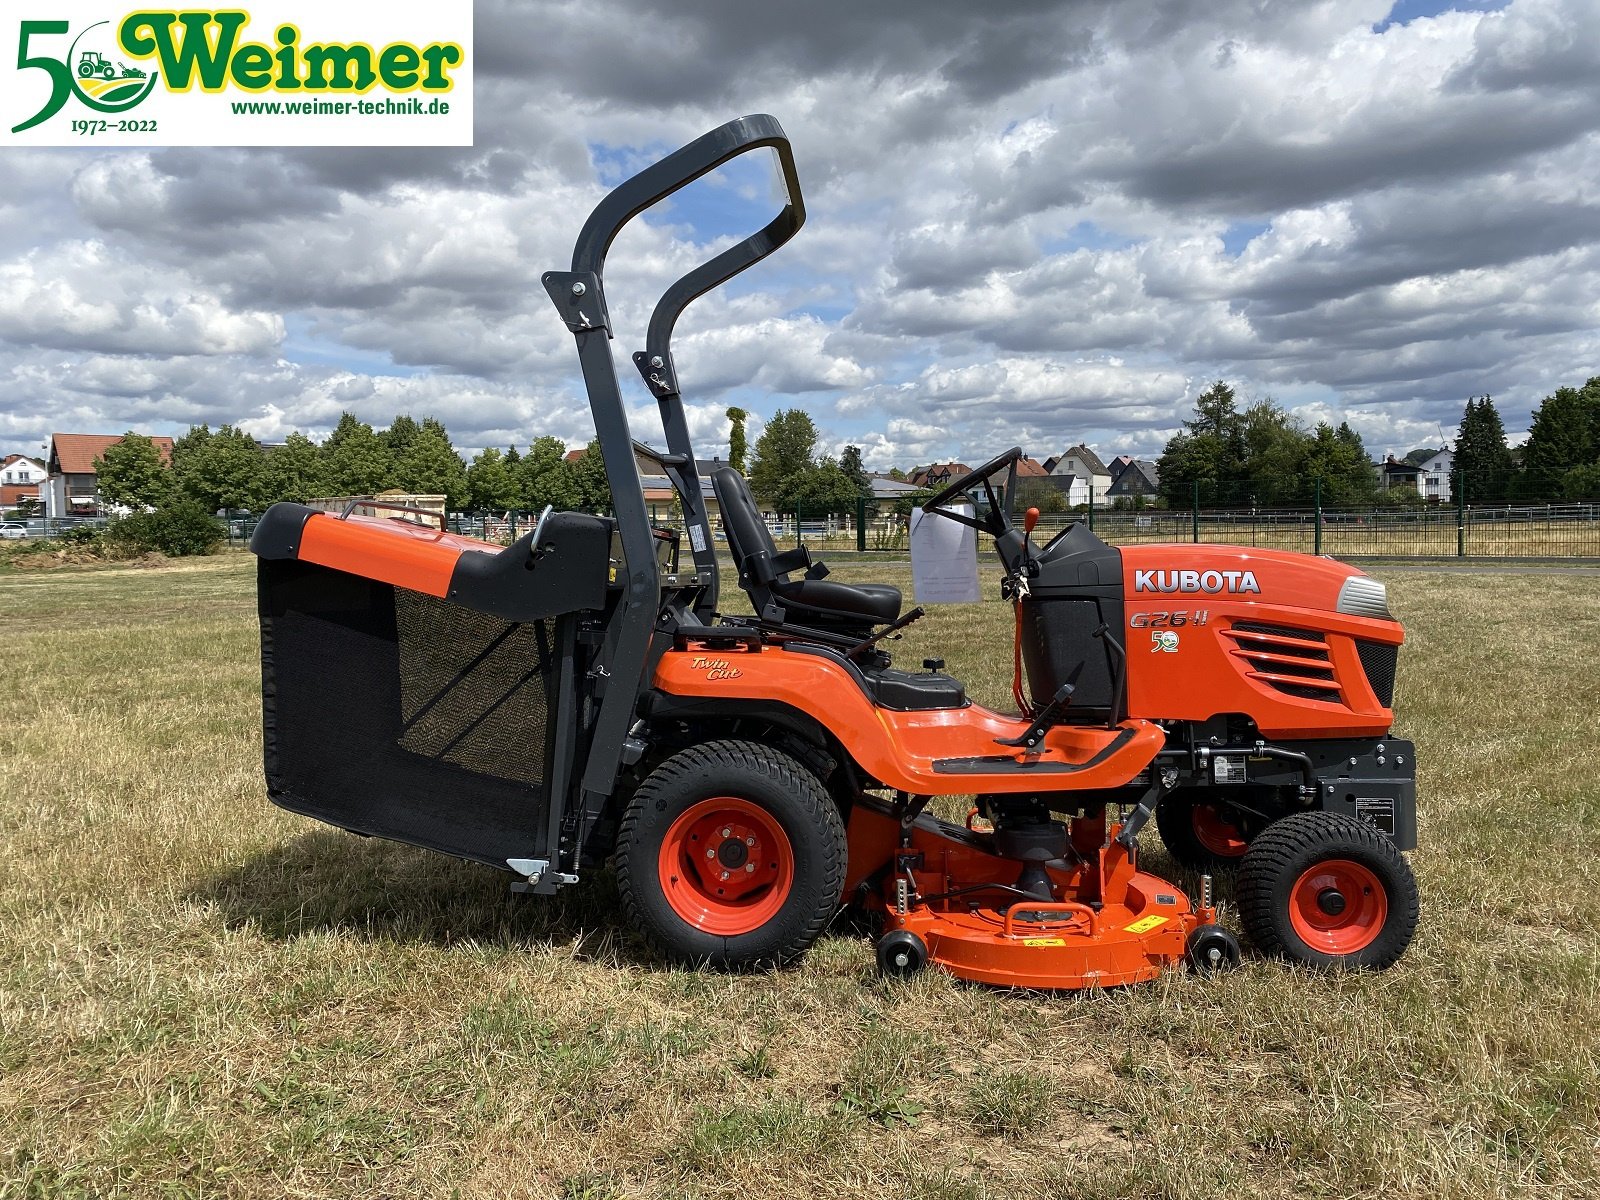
x=580, y=695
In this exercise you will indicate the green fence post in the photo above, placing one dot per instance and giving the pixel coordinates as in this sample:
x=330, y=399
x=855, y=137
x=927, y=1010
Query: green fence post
x=1091, y=504
x=1317, y=519
x=1194, y=512
x=861, y=523
x=1461, y=513
x=513, y=515
x=798, y=540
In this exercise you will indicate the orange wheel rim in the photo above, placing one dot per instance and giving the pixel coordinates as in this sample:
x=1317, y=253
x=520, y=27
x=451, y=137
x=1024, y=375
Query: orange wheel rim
x=726, y=866
x=1223, y=838
x=1338, y=907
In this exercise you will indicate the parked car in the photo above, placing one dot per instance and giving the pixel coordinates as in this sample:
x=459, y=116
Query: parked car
x=13, y=530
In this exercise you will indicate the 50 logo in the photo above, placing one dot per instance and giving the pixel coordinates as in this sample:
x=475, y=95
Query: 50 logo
x=90, y=71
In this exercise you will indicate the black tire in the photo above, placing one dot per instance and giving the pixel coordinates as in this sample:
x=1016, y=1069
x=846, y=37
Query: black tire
x=1175, y=818
x=1280, y=859
x=790, y=796
x=901, y=954
x=1211, y=949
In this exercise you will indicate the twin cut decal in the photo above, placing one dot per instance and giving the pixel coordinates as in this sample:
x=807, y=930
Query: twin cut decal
x=1195, y=581
x=715, y=668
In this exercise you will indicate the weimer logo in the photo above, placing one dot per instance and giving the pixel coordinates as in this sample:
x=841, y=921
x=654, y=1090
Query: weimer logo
x=1195, y=581
x=206, y=45
x=228, y=76
x=91, y=72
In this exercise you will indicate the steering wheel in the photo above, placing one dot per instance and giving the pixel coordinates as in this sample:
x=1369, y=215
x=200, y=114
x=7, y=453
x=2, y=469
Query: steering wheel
x=998, y=520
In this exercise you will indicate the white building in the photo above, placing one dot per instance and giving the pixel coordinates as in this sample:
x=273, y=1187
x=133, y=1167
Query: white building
x=1091, y=473
x=18, y=470
x=1433, y=482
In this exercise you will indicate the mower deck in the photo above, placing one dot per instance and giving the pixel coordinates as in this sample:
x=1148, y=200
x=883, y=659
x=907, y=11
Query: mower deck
x=1084, y=918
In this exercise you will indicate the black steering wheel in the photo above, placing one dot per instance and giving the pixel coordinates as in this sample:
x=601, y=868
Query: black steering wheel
x=998, y=519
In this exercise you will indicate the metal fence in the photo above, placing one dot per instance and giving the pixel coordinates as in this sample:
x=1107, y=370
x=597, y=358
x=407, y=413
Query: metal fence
x=1567, y=531
x=1458, y=529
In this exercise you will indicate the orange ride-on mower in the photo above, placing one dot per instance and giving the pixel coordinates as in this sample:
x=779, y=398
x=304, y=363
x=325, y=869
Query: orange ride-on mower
x=578, y=696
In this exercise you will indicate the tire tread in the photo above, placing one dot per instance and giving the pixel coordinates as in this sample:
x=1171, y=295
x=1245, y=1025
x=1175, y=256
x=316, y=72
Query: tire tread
x=1286, y=848
x=782, y=769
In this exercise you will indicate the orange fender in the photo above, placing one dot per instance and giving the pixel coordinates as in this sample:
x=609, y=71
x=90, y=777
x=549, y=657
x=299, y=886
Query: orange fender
x=936, y=752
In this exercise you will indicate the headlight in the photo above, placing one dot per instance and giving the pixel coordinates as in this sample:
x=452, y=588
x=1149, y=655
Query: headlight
x=1363, y=596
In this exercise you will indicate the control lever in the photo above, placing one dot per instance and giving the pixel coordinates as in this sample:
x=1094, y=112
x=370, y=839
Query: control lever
x=1034, y=734
x=893, y=627
x=1136, y=820
x=1030, y=522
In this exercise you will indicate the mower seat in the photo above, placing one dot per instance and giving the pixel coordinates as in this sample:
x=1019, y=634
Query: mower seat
x=764, y=572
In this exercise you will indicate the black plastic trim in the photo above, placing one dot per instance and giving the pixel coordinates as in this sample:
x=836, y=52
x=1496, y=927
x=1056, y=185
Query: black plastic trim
x=1004, y=764
x=277, y=534
x=567, y=572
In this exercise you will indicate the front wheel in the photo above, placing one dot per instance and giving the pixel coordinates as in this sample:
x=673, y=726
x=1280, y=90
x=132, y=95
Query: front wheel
x=1328, y=890
x=731, y=854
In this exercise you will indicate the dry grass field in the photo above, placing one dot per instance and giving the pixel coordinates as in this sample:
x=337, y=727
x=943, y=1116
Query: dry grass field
x=201, y=995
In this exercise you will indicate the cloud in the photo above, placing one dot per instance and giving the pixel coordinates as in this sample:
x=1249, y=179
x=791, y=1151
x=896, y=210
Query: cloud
x=81, y=296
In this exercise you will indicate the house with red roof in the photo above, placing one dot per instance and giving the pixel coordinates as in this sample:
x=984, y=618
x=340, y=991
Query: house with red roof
x=20, y=477
x=73, y=486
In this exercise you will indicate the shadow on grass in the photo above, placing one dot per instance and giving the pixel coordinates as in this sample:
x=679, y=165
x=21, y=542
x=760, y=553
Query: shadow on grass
x=328, y=881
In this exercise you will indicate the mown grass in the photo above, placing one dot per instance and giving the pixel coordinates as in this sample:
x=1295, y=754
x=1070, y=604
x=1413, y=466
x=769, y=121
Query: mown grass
x=201, y=995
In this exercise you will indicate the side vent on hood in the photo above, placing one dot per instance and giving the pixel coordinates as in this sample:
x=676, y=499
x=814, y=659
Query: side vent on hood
x=1292, y=661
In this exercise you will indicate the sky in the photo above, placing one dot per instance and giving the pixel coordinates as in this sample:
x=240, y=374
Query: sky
x=1031, y=223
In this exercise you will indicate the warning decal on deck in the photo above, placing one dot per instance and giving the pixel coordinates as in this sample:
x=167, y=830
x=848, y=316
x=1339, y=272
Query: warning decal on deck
x=1044, y=941
x=1146, y=924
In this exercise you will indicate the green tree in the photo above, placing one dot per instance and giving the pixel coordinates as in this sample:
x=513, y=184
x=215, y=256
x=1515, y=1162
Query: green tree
x=356, y=461
x=1362, y=476
x=544, y=476
x=222, y=470
x=132, y=475
x=1275, y=451
x=1209, y=450
x=1339, y=459
x=850, y=464
x=293, y=471
x=1034, y=492
x=490, y=487
x=430, y=466
x=591, y=489
x=737, y=445
x=1582, y=483
x=896, y=473
x=824, y=488
x=1401, y=495
x=401, y=433
x=1564, y=437
x=178, y=528
x=783, y=456
x=1482, y=461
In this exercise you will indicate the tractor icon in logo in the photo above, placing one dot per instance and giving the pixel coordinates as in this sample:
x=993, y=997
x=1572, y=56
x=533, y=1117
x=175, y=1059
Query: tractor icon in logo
x=94, y=63
x=1163, y=641
x=100, y=81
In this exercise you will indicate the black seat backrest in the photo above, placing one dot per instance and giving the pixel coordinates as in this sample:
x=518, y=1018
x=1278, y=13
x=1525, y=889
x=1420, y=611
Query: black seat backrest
x=749, y=540
x=764, y=571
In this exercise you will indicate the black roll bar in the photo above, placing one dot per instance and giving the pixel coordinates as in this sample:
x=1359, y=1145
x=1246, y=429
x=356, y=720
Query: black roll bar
x=579, y=297
x=660, y=372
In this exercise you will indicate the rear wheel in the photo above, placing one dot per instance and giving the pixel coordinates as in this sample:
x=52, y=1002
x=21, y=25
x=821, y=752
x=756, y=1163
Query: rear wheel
x=1201, y=833
x=731, y=854
x=1328, y=890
